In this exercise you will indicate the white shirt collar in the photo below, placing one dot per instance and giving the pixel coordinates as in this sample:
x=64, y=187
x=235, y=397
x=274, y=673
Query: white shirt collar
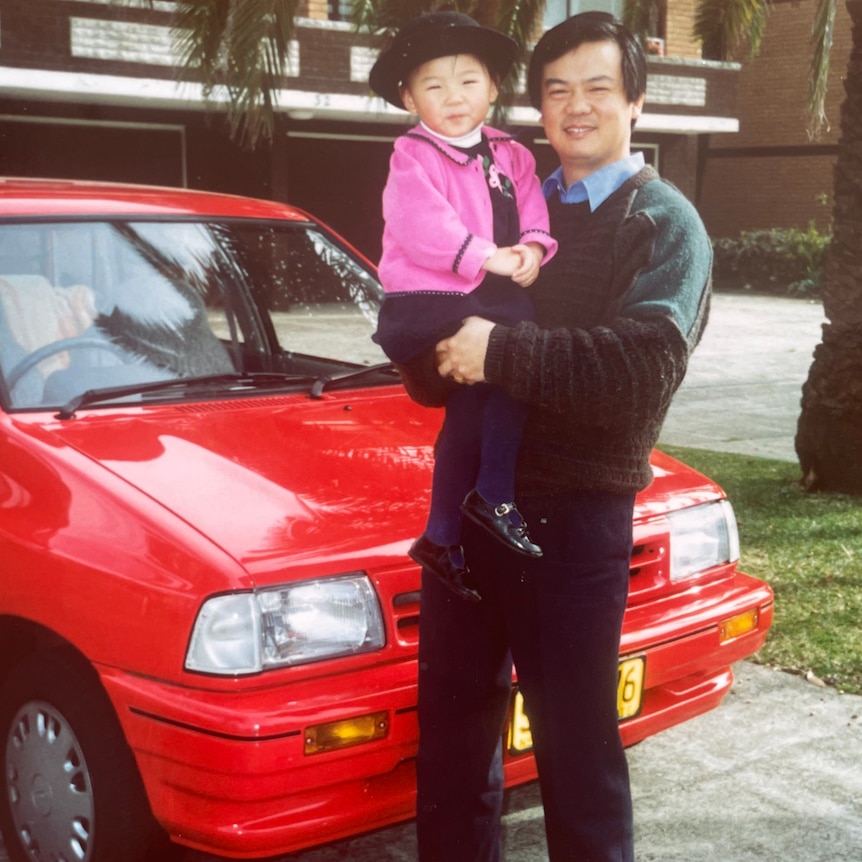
x=468, y=140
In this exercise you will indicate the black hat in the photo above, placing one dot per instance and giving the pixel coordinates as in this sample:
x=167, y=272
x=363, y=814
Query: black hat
x=438, y=34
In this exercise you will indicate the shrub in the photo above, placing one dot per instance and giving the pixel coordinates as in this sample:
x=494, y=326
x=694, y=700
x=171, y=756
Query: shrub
x=786, y=261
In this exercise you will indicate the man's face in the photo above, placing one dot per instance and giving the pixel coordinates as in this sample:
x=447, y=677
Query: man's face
x=585, y=111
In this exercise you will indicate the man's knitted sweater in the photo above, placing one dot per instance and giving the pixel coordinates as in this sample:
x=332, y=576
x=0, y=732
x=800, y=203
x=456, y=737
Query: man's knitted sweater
x=618, y=312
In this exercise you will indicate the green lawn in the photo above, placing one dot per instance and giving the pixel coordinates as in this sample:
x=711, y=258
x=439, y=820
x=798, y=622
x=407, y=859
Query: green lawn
x=808, y=547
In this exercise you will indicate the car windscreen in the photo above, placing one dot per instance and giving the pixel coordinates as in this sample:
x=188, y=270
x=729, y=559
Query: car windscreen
x=106, y=305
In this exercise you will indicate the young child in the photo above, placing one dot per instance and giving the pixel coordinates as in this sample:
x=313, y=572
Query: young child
x=466, y=231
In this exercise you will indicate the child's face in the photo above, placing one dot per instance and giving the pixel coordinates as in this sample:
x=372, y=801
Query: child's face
x=451, y=95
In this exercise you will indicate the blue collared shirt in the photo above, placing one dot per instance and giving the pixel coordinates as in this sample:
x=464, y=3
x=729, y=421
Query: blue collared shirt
x=598, y=186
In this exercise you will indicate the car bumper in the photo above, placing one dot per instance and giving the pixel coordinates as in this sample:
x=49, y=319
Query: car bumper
x=226, y=772
x=688, y=667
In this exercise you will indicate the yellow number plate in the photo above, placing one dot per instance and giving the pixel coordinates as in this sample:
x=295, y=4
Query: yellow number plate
x=630, y=690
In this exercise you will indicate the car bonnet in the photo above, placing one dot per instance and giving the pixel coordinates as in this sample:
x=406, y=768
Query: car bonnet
x=277, y=482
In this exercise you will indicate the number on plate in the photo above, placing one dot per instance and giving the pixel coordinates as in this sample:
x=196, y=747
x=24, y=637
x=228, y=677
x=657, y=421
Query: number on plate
x=630, y=687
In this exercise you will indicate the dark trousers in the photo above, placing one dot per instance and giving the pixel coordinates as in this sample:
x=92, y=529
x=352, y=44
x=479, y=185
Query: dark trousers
x=559, y=618
x=477, y=448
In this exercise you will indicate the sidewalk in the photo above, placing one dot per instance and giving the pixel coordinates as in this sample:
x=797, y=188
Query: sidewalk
x=744, y=381
x=774, y=772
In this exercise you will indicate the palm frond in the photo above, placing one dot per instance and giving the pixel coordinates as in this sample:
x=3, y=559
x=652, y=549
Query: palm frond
x=241, y=45
x=822, y=33
x=518, y=18
x=198, y=33
x=725, y=25
x=642, y=16
x=384, y=17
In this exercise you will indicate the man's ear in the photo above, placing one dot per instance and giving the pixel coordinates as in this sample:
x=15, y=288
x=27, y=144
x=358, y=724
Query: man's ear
x=637, y=107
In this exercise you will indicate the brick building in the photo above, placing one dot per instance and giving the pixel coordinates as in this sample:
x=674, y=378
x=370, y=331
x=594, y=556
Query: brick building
x=88, y=89
x=771, y=174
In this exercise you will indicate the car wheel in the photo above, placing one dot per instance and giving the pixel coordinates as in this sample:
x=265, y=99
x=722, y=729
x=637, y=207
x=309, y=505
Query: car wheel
x=71, y=787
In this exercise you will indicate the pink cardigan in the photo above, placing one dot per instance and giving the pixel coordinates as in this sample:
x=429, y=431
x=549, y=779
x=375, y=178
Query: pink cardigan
x=438, y=213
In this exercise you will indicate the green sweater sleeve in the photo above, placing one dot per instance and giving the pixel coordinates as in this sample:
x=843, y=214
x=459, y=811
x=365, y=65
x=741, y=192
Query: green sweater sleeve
x=623, y=373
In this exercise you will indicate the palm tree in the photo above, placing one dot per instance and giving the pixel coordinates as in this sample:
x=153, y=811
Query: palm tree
x=829, y=433
x=241, y=45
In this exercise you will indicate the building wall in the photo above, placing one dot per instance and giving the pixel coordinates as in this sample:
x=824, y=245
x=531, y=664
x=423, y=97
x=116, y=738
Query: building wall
x=678, y=24
x=771, y=174
x=333, y=141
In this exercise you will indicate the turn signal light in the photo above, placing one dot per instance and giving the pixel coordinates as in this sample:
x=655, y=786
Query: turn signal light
x=739, y=625
x=343, y=734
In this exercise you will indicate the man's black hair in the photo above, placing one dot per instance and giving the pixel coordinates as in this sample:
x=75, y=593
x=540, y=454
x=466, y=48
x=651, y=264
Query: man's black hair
x=574, y=32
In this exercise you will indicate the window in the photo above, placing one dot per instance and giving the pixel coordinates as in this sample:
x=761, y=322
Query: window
x=105, y=304
x=557, y=11
x=338, y=10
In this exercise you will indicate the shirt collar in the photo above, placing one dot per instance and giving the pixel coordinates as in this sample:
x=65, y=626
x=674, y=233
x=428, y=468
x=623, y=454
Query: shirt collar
x=469, y=140
x=598, y=186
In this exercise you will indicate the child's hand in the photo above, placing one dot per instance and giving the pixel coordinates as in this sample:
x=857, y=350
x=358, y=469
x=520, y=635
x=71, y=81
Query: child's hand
x=531, y=256
x=504, y=261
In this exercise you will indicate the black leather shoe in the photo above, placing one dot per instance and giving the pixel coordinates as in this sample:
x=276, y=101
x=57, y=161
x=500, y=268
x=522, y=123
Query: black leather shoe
x=447, y=563
x=503, y=522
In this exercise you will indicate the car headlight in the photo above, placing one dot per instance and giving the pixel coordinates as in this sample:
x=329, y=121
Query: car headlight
x=292, y=624
x=702, y=537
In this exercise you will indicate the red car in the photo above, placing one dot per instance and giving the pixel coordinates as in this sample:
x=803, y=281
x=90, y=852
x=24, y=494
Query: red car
x=209, y=479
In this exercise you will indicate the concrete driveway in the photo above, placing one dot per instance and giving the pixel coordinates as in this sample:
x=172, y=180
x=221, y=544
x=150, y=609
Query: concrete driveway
x=772, y=774
x=775, y=773
x=744, y=381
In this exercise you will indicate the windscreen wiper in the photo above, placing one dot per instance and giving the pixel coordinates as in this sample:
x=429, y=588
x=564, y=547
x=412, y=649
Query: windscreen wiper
x=325, y=380
x=234, y=381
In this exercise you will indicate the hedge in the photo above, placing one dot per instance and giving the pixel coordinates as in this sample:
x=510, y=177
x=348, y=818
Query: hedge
x=785, y=261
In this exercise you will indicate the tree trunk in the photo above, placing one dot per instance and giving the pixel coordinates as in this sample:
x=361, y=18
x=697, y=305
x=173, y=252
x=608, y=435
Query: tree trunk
x=829, y=434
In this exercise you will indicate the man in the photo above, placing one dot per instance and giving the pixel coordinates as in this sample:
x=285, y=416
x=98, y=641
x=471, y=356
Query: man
x=618, y=311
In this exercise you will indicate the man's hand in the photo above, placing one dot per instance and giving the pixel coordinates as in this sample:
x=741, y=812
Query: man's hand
x=462, y=357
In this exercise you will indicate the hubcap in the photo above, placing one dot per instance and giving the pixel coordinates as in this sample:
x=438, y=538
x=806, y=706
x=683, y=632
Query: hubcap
x=48, y=786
